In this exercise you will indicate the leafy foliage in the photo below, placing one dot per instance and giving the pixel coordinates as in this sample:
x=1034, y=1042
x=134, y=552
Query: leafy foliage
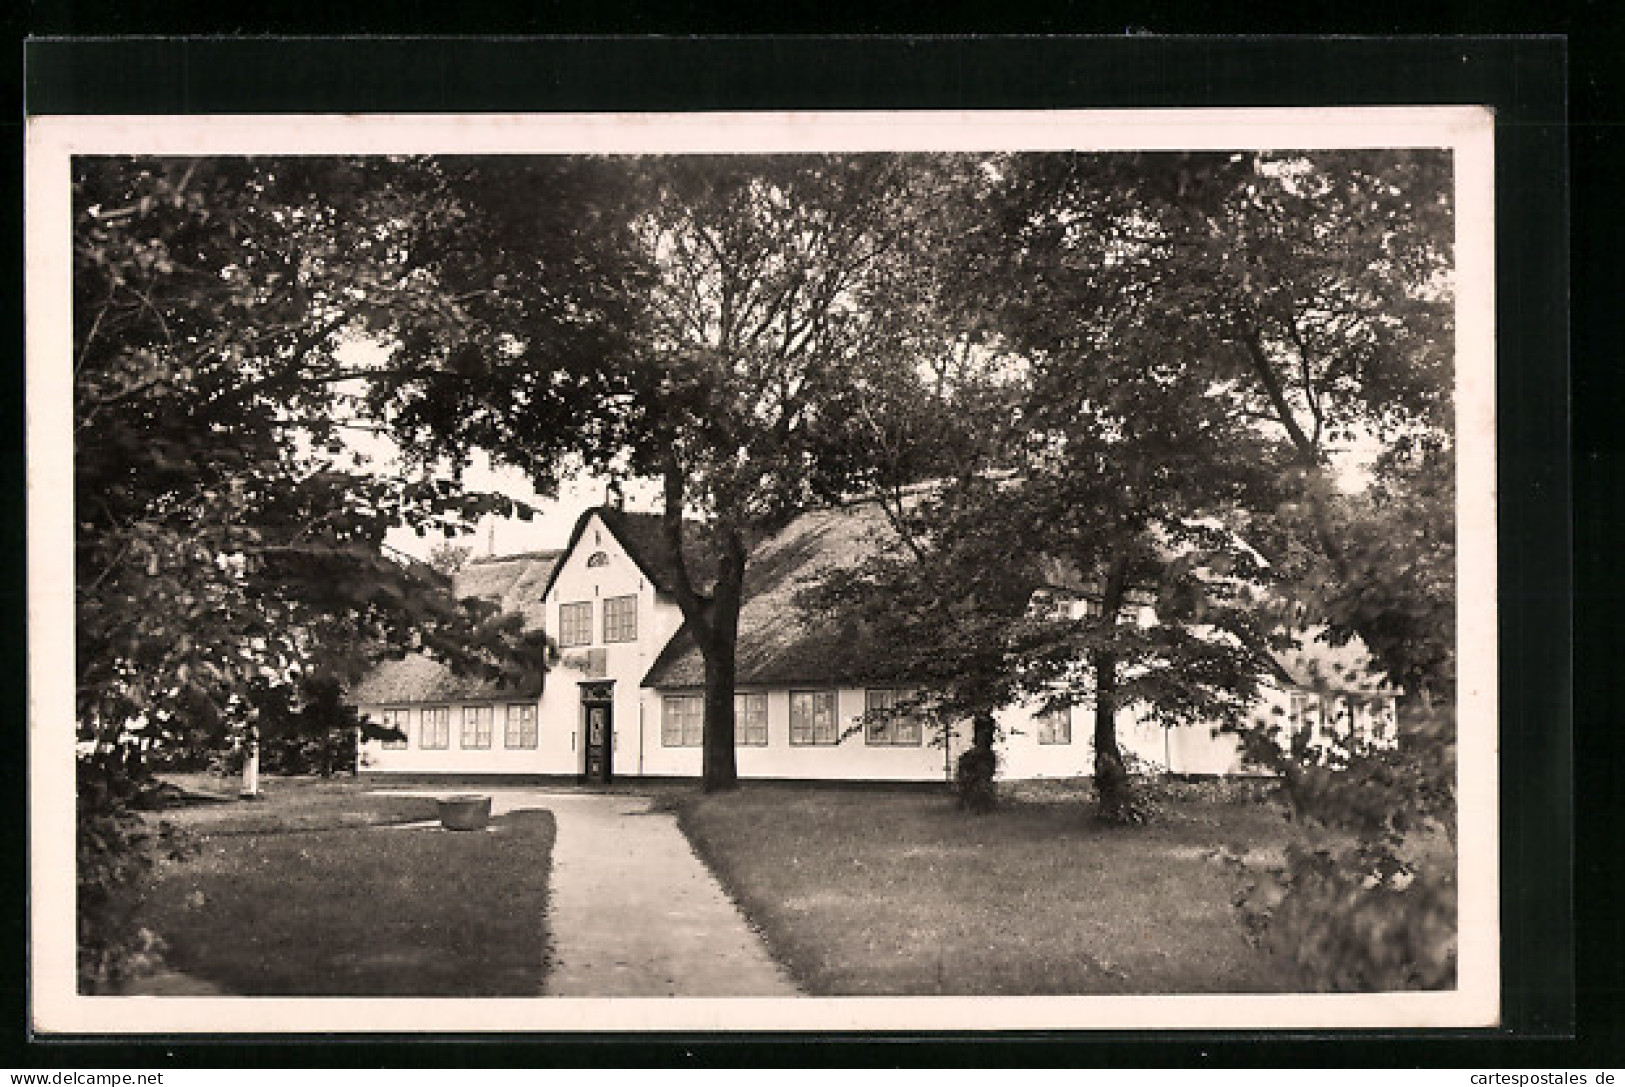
x=1394, y=580
x=1104, y=370
x=1366, y=898
x=448, y=558
x=229, y=557
x=310, y=729
x=114, y=855
x=227, y=535
x=1312, y=289
x=767, y=283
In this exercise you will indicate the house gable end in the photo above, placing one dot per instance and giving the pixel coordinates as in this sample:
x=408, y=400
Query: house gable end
x=636, y=534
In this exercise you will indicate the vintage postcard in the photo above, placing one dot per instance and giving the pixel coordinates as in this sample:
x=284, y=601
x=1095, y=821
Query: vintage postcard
x=893, y=571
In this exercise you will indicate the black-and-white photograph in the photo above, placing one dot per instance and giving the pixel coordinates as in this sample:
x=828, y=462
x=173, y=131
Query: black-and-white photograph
x=614, y=567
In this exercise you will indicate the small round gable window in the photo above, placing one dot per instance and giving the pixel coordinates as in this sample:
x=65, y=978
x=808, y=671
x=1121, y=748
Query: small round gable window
x=598, y=558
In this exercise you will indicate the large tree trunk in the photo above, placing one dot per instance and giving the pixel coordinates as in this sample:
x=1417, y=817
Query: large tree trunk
x=1113, y=792
x=714, y=625
x=981, y=732
x=719, y=768
x=1117, y=800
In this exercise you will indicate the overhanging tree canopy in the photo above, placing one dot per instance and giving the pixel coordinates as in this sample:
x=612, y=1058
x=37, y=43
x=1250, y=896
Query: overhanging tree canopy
x=227, y=539
x=1197, y=333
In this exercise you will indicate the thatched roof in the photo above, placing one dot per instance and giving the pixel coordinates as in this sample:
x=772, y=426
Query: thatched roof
x=419, y=678
x=777, y=644
x=515, y=583
x=1314, y=663
x=488, y=579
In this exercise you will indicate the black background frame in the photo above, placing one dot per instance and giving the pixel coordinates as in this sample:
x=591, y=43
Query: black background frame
x=1525, y=79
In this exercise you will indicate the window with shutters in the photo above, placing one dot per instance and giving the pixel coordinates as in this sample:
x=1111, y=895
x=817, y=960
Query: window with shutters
x=887, y=729
x=575, y=624
x=1308, y=717
x=750, y=719
x=812, y=718
x=520, y=727
x=682, y=720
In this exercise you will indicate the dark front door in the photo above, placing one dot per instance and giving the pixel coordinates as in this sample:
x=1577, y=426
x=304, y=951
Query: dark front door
x=599, y=727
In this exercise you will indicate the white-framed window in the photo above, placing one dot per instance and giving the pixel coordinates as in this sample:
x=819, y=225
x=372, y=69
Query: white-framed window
x=621, y=619
x=1055, y=726
x=436, y=734
x=398, y=718
x=476, y=727
x=519, y=729
x=575, y=624
x=682, y=720
x=890, y=731
x=750, y=718
x=812, y=718
x=596, y=559
x=1304, y=714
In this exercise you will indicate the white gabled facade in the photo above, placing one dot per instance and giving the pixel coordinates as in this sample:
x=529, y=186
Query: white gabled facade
x=597, y=584
x=611, y=621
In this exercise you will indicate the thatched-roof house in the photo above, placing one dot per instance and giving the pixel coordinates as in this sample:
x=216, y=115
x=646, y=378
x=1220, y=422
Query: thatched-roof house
x=778, y=644
x=512, y=582
x=623, y=696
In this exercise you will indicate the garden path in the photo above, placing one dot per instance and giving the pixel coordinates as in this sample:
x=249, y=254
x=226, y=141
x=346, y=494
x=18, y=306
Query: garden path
x=634, y=912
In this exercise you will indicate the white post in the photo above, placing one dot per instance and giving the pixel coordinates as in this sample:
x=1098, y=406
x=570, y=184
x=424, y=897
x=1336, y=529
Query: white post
x=251, y=766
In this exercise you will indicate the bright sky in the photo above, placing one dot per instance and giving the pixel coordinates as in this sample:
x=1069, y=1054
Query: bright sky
x=550, y=529
x=555, y=517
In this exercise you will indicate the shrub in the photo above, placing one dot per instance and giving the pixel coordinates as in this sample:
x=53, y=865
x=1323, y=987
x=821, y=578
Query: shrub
x=973, y=778
x=1120, y=802
x=1363, y=901
x=1123, y=792
x=114, y=855
x=331, y=753
x=1351, y=919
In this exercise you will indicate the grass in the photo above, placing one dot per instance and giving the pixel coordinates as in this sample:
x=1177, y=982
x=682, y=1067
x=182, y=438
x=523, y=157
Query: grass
x=287, y=804
x=879, y=892
x=310, y=893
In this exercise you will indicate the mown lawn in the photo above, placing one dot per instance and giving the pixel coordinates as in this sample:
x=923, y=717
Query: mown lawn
x=319, y=892
x=288, y=803
x=882, y=892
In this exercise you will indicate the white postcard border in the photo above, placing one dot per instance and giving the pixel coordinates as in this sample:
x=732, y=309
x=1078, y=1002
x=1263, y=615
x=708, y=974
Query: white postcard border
x=51, y=141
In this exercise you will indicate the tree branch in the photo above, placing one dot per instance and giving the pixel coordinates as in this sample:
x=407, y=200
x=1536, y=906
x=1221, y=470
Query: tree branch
x=1307, y=450
x=688, y=601
x=1306, y=374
